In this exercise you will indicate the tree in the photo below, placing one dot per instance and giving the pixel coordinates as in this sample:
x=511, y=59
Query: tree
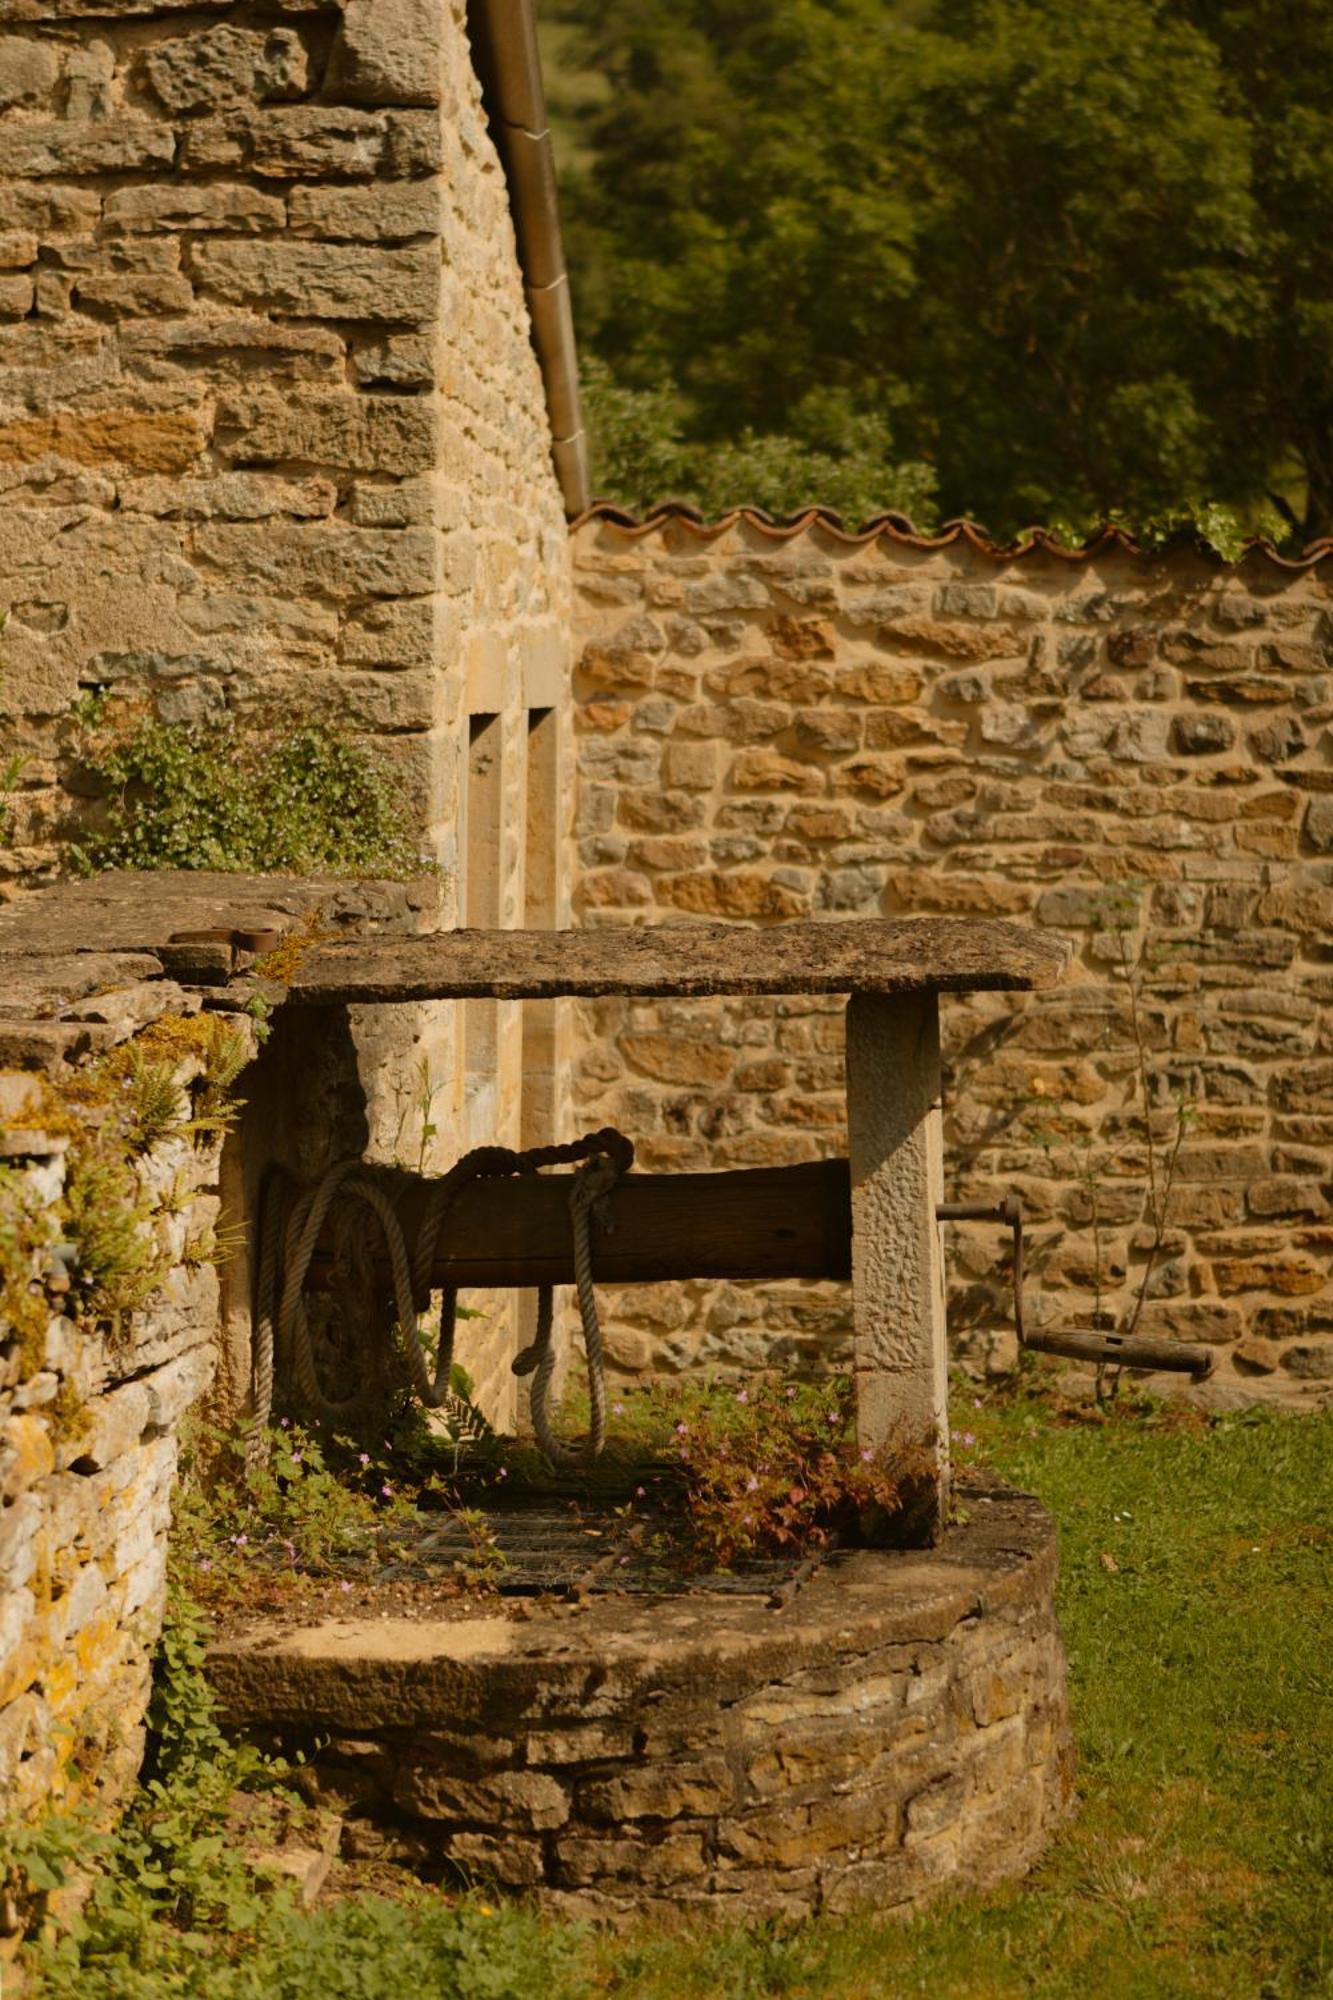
x=1062, y=262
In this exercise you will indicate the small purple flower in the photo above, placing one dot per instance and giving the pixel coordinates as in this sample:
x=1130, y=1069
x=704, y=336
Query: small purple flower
x=387, y=1490
x=682, y=1430
x=239, y=1541
x=364, y=1457
x=867, y=1453
x=641, y=1493
x=751, y=1484
x=742, y=1395
x=296, y=1458
x=344, y=1586
x=831, y=1417
x=502, y=1472
x=617, y=1409
x=790, y=1395
x=969, y=1437
x=286, y=1423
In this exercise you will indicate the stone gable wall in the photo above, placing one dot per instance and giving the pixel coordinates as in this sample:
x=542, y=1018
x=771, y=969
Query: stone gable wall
x=273, y=441
x=1134, y=751
x=272, y=435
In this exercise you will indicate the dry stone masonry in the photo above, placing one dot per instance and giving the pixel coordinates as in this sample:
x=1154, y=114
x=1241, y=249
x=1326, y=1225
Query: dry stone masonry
x=1131, y=750
x=901, y=1727
x=90, y=1418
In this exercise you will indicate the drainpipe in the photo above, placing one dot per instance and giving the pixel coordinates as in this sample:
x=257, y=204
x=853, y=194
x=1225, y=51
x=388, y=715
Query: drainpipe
x=504, y=44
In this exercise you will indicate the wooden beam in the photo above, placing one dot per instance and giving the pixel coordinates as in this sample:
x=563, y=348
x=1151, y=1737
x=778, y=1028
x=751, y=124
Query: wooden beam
x=763, y=1222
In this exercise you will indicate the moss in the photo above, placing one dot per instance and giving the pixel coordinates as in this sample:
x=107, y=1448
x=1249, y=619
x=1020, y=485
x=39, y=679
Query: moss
x=68, y=1415
x=27, y=1233
x=284, y=961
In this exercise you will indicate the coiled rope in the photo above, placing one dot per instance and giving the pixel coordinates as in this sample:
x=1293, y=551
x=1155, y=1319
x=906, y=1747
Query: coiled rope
x=292, y=1219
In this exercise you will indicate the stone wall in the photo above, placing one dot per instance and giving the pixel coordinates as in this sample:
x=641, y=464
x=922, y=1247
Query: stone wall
x=90, y=1409
x=899, y=1729
x=1132, y=750
x=273, y=446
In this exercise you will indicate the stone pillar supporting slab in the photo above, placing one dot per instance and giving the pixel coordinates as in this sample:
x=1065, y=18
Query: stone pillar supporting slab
x=900, y=1355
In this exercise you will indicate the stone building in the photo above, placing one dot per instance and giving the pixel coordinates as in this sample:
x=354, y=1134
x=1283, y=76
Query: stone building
x=289, y=429
x=284, y=356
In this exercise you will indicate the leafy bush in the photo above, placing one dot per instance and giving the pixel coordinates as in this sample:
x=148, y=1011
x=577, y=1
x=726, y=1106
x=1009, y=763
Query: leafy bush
x=300, y=803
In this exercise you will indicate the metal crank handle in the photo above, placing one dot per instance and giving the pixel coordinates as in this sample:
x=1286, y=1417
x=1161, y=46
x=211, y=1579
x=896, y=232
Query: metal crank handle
x=1128, y=1351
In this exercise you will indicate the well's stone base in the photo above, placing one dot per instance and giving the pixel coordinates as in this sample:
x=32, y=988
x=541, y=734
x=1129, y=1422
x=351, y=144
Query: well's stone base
x=900, y=1726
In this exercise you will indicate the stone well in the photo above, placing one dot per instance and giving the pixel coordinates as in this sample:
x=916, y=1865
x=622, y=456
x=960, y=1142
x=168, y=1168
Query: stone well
x=896, y=1727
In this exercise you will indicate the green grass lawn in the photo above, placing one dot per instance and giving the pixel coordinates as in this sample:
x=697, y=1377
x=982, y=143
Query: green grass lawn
x=1196, y=1603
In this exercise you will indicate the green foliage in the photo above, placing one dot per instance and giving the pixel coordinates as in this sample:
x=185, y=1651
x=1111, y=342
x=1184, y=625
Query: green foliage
x=1061, y=263
x=1197, y=1865
x=299, y=803
x=838, y=457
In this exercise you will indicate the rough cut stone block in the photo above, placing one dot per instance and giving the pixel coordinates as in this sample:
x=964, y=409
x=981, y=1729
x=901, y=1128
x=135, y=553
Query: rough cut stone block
x=389, y=52
x=323, y=280
x=16, y=294
x=28, y=73
x=139, y=440
x=230, y=496
x=18, y=249
x=230, y=345
x=189, y=205
x=221, y=66
x=384, y=214
x=385, y=434
x=293, y=142
x=124, y=145
x=322, y=558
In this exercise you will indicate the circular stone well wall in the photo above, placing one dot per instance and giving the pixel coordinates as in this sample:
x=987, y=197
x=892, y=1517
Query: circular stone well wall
x=899, y=1726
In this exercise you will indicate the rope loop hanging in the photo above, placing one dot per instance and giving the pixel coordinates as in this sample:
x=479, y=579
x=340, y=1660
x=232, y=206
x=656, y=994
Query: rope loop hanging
x=292, y=1220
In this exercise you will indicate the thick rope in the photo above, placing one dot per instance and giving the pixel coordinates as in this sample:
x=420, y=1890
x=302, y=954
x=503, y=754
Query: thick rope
x=282, y=1329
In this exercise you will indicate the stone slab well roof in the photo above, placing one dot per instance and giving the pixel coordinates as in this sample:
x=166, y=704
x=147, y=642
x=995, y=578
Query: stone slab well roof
x=86, y=963
x=939, y=954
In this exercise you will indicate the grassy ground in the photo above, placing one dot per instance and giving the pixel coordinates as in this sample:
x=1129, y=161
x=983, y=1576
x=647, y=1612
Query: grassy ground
x=1195, y=1598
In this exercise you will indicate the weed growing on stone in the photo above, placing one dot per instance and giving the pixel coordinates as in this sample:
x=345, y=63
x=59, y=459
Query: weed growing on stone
x=733, y=1472
x=774, y=1469
x=300, y=1502
x=301, y=802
